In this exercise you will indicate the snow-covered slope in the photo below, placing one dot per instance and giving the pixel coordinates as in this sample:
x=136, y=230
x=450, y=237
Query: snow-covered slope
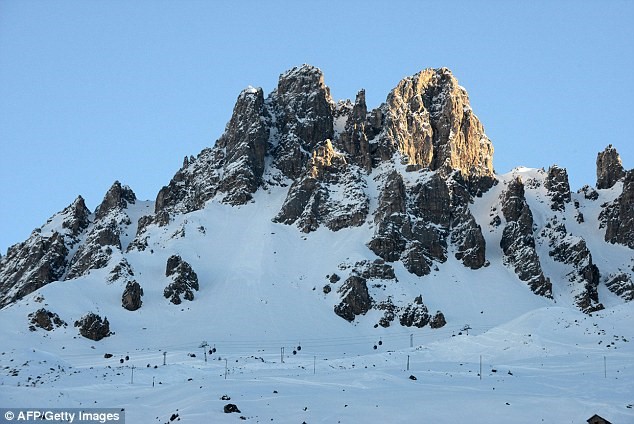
x=342, y=280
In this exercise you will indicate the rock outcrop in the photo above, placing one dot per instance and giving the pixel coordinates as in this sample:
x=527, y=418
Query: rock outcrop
x=93, y=327
x=303, y=112
x=184, y=280
x=45, y=320
x=416, y=221
x=558, y=187
x=328, y=192
x=584, y=276
x=131, y=297
x=43, y=257
x=428, y=120
x=609, y=168
x=618, y=217
x=622, y=285
x=355, y=298
x=117, y=198
x=518, y=241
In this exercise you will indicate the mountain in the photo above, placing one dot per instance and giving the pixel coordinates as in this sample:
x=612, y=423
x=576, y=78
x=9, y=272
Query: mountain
x=325, y=222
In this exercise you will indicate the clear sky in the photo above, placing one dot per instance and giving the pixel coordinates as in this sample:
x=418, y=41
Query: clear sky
x=97, y=91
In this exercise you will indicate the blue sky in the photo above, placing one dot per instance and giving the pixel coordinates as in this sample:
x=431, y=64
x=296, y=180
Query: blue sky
x=97, y=91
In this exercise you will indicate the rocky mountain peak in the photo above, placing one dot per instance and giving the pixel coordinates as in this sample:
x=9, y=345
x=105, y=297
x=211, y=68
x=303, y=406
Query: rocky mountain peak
x=609, y=168
x=117, y=197
x=430, y=122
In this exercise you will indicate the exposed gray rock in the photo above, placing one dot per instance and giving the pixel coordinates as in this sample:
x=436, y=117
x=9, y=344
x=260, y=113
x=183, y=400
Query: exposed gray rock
x=518, y=242
x=96, y=251
x=355, y=298
x=438, y=320
x=358, y=131
x=588, y=192
x=43, y=257
x=415, y=314
x=622, y=285
x=328, y=191
x=376, y=269
x=558, y=187
x=573, y=251
x=131, y=298
x=93, y=327
x=184, y=280
x=618, y=216
x=117, y=197
x=45, y=319
x=415, y=222
x=121, y=271
x=609, y=168
x=245, y=142
x=303, y=112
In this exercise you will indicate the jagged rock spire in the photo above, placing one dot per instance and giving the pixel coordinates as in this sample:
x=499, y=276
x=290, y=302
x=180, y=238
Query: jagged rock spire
x=609, y=168
x=430, y=122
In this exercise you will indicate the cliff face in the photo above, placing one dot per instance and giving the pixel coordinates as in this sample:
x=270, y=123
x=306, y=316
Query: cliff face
x=428, y=119
x=411, y=175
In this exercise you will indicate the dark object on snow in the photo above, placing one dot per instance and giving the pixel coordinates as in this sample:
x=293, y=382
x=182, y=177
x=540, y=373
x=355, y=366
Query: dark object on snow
x=230, y=407
x=46, y=320
x=412, y=377
x=184, y=280
x=225, y=397
x=595, y=419
x=131, y=298
x=93, y=327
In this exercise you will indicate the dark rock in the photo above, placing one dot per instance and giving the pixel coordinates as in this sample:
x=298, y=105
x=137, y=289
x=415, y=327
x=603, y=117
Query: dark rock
x=334, y=278
x=589, y=193
x=518, y=242
x=230, y=407
x=415, y=314
x=328, y=191
x=96, y=251
x=355, y=298
x=93, y=327
x=304, y=117
x=389, y=314
x=573, y=251
x=118, y=197
x=327, y=289
x=376, y=269
x=121, y=271
x=438, y=320
x=46, y=320
x=131, y=298
x=43, y=257
x=245, y=142
x=618, y=216
x=622, y=285
x=609, y=168
x=558, y=187
x=358, y=131
x=31, y=265
x=413, y=377
x=184, y=280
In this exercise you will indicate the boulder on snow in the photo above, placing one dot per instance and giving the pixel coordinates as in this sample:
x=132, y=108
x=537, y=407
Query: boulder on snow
x=131, y=298
x=230, y=407
x=184, y=280
x=45, y=319
x=93, y=327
